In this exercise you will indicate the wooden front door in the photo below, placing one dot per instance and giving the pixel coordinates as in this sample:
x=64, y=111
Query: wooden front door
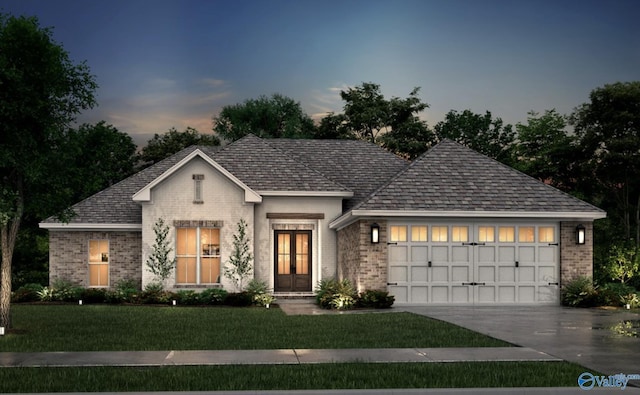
x=292, y=260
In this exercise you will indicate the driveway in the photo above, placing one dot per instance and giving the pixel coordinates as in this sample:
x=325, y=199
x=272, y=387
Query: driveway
x=599, y=339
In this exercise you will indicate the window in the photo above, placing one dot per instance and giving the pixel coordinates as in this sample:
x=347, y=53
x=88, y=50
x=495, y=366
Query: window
x=197, y=188
x=439, y=233
x=546, y=234
x=526, y=234
x=98, y=263
x=418, y=233
x=486, y=234
x=460, y=233
x=197, y=255
x=506, y=234
x=398, y=233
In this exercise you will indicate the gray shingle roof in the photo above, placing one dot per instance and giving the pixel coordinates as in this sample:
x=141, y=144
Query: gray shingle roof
x=452, y=177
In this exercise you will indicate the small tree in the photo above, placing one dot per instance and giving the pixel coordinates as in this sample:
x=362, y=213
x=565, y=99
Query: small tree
x=239, y=266
x=158, y=262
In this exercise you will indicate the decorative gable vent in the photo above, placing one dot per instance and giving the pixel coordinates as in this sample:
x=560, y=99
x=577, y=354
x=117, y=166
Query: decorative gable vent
x=197, y=188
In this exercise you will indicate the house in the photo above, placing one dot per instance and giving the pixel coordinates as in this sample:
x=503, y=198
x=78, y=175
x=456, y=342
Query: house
x=451, y=227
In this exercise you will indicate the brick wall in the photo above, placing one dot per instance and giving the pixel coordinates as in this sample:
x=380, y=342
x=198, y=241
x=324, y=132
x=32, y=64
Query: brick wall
x=69, y=256
x=363, y=263
x=575, y=260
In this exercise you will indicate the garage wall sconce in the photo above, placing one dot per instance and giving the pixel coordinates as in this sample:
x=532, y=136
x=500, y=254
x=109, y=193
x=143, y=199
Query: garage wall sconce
x=580, y=234
x=375, y=233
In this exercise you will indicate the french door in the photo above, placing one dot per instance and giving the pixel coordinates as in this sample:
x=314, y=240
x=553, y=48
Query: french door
x=292, y=260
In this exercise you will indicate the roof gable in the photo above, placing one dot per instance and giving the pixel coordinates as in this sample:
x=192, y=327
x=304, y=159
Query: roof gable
x=144, y=194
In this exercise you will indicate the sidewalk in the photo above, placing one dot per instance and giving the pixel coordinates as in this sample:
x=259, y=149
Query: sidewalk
x=275, y=357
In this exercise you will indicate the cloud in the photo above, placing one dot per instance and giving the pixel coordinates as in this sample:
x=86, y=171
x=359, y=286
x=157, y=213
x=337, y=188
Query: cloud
x=325, y=101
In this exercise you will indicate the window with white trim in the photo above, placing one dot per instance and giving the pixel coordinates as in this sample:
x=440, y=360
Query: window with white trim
x=98, y=263
x=197, y=255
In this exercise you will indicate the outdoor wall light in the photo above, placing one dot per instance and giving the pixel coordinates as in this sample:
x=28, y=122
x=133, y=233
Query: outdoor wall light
x=1, y=330
x=580, y=234
x=375, y=233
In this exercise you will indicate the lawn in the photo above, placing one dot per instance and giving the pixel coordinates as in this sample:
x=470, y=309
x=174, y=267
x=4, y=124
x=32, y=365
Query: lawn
x=117, y=328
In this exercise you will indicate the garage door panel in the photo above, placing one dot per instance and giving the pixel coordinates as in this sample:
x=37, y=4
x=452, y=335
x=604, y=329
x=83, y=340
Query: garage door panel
x=460, y=294
x=440, y=294
x=486, y=254
x=507, y=274
x=400, y=293
x=440, y=273
x=486, y=294
x=460, y=274
x=527, y=254
x=420, y=293
x=398, y=274
x=547, y=274
x=526, y=294
x=547, y=254
x=440, y=254
x=398, y=254
x=487, y=274
x=460, y=253
x=419, y=274
x=526, y=274
x=507, y=254
x=419, y=254
x=507, y=294
x=547, y=293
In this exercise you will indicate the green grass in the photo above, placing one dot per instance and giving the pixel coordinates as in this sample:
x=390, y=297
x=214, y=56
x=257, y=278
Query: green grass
x=118, y=328
x=279, y=377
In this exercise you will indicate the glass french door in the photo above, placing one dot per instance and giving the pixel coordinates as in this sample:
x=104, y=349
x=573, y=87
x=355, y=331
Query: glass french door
x=292, y=260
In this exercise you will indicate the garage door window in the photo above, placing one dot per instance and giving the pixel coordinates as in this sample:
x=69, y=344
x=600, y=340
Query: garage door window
x=460, y=234
x=418, y=233
x=439, y=233
x=526, y=234
x=546, y=234
x=506, y=234
x=486, y=234
x=398, y=233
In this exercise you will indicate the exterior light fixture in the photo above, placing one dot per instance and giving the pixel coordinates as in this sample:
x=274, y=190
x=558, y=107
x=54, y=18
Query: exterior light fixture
x=375, y=233
x=1, y=330
x=580, y=234
x=174, y=302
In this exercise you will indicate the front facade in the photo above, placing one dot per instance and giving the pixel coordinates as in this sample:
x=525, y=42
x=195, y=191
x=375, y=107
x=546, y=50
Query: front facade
x=453, y=227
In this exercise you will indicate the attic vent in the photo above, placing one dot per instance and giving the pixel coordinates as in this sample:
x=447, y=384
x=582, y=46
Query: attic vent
x=197, y=188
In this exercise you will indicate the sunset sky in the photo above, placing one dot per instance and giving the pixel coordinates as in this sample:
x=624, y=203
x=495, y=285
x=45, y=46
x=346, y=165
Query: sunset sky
x=169, y=63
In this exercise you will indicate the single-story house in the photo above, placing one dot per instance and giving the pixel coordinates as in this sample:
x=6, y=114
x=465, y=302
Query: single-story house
x=451, y=227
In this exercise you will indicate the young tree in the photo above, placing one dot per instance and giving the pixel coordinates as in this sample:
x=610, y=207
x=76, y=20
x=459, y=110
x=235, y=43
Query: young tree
x=159, y=262
x=162, y=146
x=277, y=116
x=42, y=92
x=240, y=264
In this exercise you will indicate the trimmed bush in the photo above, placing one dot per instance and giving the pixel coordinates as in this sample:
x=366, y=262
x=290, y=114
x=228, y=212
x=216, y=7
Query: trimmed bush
x=26, y=293
x=93, y=295
x=239, y=299
x=187, y=297
x=580, y=292
x=377, y=299
x=333, y=294
x=213, y=296
x=613, y=294
x=154, y=293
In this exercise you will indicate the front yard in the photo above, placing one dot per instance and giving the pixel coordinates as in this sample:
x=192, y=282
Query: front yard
x=117, y=328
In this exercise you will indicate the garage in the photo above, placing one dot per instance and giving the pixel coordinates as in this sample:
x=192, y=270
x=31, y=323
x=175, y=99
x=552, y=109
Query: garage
x=444, y=262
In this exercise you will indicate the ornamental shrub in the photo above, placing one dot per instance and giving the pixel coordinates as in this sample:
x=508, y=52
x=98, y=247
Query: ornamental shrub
x=377, y=299
x=333, y=294
x=612, y=294
x=580, y=292
x=213, y=296
x=26, y=293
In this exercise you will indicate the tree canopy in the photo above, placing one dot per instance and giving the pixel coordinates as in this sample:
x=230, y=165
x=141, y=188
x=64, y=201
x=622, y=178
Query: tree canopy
x=42, y=92
x=277, y=116
x=164, y=145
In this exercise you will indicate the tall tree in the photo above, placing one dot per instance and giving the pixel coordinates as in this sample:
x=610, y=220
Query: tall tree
x=164, y=145
x=546, y=150
x=42, y=92
x=608, y=128
x=277, y=116
x=392, y=123
x=479, y=132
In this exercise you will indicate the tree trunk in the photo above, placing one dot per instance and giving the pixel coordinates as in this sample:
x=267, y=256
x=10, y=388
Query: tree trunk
x=8, y=236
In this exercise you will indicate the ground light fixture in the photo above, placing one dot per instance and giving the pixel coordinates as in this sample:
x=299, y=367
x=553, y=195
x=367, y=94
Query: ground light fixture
x=1, y=330
x=375, y=233
x=580, y=234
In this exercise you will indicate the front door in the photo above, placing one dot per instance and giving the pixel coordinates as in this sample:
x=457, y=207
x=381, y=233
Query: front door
x=292, y=261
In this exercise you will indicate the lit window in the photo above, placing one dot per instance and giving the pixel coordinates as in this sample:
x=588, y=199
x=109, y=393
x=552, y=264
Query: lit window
x=418, y=233
x=197, y=255
x=526, y=234
x=439, y=233
x=197, y=188
x=506, y=234
x=486, y=234
x=398, y=233
x=99, y=263
x=546, y=234
x=459, y=234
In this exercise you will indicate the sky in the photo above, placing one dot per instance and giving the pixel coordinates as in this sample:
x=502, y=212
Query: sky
x=167, y=63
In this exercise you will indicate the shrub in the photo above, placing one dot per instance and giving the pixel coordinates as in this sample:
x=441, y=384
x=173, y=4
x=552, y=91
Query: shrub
x=60, y=291
x=239, y=299
x=125, y=291
x=93, y=295
x=333, y=294
x=263, y=299
x=213, y=296
x=187, y=297
x=579, y=292
x=611, y=294
x=375, y=299
x=27, y=293
x=155, y=293
x=256, y=287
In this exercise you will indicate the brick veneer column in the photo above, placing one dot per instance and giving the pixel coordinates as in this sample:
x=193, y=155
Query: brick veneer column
x=69, y=256
x=363, y=263
x=575, y=260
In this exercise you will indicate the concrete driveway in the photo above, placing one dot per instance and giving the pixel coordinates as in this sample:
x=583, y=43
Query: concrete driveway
x=599, y=339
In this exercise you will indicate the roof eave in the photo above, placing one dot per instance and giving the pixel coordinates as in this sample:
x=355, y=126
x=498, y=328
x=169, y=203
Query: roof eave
x=60, y=226
x=342, y=194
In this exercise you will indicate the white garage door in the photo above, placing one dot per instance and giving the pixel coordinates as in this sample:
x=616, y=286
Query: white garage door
x=473, y=263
